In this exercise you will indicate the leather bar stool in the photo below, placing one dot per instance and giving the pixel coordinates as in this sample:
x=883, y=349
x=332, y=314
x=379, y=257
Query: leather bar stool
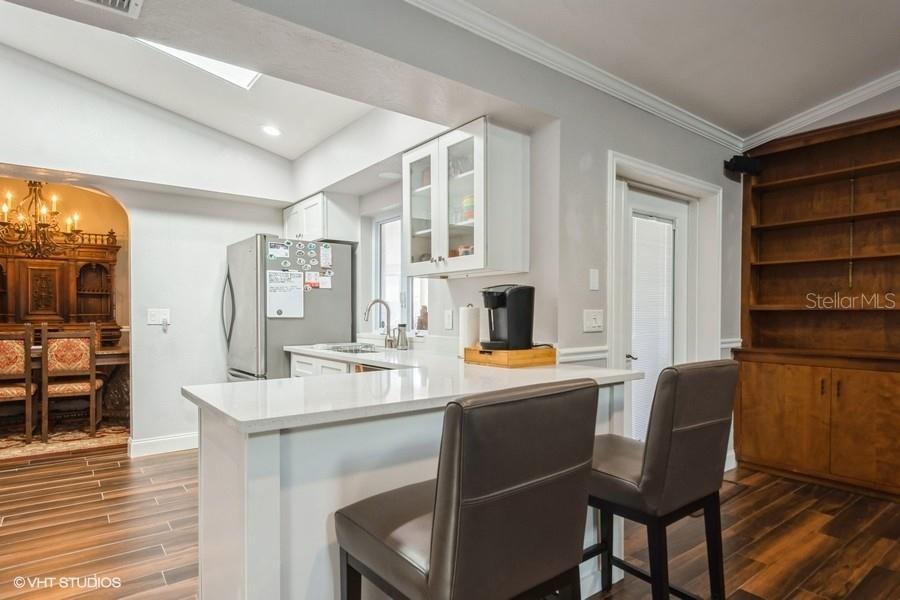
x=505, y=517
x=676, y=472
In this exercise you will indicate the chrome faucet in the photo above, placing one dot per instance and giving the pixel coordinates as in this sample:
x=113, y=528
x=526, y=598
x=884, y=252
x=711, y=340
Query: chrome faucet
x=389, y=342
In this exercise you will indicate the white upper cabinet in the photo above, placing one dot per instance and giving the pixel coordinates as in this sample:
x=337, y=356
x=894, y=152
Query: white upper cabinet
x=325, y=216
x=466, y=203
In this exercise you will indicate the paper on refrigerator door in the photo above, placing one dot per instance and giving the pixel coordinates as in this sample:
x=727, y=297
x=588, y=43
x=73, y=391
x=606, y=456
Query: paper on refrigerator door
x=284, y=294
x=326, y=256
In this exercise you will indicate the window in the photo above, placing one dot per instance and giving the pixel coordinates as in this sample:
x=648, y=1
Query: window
x=391, y=283
x=390, y=278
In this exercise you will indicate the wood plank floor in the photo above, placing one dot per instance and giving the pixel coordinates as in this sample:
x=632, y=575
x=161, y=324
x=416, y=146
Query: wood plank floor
x=106, y=515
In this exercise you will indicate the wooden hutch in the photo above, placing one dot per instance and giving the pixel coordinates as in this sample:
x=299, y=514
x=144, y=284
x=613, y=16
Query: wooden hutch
x=74, y=287
x=820, y=315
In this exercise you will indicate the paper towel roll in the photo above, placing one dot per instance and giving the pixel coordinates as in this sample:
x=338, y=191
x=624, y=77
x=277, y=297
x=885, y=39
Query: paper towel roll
x=468, y=327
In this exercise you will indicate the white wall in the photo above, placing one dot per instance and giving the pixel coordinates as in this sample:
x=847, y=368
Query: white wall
x=178, y=262
x=375, y=136
x=55, y=119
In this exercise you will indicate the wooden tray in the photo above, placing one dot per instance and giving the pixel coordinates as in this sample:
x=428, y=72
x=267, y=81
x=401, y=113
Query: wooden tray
x=511, y=359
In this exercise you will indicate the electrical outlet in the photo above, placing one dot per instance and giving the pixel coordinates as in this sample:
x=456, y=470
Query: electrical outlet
x=156, y=316
x=448, y=319
x=593, y=321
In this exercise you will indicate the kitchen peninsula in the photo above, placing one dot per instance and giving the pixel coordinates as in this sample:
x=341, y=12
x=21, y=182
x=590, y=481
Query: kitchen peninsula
x=278, y=457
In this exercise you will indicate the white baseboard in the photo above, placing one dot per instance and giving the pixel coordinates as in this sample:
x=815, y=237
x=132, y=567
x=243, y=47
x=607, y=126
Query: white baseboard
x=730, y=461
x=162, y=444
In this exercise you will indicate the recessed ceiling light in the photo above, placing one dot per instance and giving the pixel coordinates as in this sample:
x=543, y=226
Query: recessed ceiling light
x=239, y=76
x=390, y=175
x=271, y=130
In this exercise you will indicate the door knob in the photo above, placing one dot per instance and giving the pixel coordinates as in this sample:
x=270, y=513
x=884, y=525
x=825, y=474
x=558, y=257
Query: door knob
x=630, y=356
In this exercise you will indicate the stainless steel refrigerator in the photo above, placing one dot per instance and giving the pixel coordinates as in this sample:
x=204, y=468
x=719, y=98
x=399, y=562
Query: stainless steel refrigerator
x=281, y=292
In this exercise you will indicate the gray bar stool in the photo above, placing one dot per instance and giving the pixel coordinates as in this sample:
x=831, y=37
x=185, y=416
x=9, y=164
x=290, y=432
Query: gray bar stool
x=505, y=517
x=678, y=471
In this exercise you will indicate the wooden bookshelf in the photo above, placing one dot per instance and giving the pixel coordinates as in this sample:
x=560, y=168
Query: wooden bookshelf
x=820, y=385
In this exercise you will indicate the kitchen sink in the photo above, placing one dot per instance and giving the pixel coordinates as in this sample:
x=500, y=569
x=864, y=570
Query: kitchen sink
x=358, y=348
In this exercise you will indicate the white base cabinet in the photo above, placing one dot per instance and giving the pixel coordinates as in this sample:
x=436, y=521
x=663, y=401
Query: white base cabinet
x=304, y=366
x=466, y=203
x=324, y=216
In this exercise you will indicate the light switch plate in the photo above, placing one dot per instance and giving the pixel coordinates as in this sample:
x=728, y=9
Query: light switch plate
x=156, y=316
x=448, y=319
x=594, y=280
x=593, y=320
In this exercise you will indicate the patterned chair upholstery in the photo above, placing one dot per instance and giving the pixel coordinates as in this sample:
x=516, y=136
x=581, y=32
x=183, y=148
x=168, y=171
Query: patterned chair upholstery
x=68, y=360
x=15, y=373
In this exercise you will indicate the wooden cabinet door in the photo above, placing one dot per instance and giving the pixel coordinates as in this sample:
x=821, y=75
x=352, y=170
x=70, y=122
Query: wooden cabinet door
x=865, y=428
x=41, y=290
x=785, y=415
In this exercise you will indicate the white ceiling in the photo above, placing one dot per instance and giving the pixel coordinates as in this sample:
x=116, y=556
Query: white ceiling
x=741, y=65
x=306, y=116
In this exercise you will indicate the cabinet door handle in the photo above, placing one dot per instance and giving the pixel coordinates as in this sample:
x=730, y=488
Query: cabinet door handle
x=822, y=392
x=839, y=388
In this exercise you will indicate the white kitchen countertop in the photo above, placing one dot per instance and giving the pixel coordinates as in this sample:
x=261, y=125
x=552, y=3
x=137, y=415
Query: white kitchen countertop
x=420, y=380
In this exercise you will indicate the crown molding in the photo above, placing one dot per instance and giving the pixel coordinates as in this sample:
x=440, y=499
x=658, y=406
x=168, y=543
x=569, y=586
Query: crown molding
x=479, y=22
x=826, y=109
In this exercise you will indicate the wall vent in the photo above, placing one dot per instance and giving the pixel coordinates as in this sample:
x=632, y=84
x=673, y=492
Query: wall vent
x=128, y=8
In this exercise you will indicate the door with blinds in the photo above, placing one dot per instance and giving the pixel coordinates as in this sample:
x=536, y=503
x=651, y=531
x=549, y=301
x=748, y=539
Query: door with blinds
x=656, y=247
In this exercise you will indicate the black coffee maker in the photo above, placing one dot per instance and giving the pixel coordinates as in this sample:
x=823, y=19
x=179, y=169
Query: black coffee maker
x=510, y=316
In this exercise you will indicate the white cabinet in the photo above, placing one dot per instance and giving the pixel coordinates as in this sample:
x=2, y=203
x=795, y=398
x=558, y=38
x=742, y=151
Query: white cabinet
x=325, y=216
x=304, y=366
x=466, y=203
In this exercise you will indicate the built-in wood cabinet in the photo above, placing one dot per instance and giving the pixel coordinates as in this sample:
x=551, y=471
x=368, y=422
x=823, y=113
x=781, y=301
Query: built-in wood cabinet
x=466, y=203
x=864, y=439
x=786, y=415
x=324, y=216
x=836, y=423
x=820, y=314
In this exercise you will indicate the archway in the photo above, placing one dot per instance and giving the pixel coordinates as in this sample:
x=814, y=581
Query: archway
x=83, y=280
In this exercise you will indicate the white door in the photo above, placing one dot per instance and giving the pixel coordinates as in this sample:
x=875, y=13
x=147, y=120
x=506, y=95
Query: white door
x=655, y=309
x=420, y=208
x=313, y=218
x=460, y=241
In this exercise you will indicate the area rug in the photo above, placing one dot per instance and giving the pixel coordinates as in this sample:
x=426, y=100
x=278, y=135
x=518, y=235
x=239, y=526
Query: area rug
x=61, y=441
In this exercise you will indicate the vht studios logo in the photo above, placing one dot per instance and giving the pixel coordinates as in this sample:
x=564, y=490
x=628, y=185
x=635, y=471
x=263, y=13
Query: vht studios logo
x=838, y=301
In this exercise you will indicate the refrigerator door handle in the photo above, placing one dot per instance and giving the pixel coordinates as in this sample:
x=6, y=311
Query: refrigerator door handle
x=228, y=291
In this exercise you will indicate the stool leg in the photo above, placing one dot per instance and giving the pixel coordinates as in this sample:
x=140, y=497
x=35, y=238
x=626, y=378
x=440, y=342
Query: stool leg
x=575, y=586
x=606, y=538
x=659, y=560
x=351, y=580
x=713, y=520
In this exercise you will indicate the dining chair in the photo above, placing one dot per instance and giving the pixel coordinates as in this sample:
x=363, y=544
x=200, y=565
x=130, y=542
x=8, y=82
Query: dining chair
x=15, y=373
x=69, y=369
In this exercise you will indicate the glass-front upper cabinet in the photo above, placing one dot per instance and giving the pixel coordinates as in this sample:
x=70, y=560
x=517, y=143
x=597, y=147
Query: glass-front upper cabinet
x=466, y=204
x=420, y=207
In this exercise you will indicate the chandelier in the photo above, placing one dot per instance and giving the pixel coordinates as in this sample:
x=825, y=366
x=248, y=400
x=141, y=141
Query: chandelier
x=33, y=225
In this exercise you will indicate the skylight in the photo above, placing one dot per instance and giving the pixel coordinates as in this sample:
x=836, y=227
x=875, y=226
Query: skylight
x=239, y=76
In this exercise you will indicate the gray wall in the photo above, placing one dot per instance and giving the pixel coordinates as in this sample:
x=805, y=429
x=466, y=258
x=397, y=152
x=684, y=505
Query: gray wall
x=590, y=124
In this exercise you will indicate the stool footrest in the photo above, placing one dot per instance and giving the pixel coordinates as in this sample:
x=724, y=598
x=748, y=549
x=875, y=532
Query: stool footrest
x=593, y=551
x=644, y=575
